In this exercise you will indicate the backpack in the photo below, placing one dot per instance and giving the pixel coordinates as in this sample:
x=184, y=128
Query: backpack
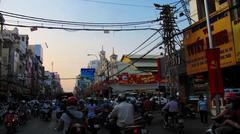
x=76, y=125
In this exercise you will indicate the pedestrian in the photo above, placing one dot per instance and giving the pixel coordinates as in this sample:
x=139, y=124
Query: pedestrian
x=203, y=109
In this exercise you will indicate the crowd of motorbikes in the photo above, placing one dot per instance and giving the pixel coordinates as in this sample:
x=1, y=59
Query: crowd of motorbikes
x=23, y=111
x=16, y=114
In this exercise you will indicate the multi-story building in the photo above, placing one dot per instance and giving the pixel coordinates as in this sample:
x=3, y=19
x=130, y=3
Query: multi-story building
x=225, y=26
x=37, y=75
x=52, y=84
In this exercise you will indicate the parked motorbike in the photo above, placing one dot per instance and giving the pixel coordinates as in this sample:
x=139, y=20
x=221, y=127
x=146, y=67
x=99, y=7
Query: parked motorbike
x=10, y=122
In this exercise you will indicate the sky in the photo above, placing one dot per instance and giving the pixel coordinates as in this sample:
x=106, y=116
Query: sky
x=68, y=50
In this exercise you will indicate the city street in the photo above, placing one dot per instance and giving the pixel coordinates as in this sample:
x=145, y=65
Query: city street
x=37, y=126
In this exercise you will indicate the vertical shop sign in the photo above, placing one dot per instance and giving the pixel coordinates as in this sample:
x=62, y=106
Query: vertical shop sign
x=214, y=72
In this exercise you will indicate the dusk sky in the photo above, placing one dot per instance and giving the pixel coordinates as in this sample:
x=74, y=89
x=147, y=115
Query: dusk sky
x=68, y=50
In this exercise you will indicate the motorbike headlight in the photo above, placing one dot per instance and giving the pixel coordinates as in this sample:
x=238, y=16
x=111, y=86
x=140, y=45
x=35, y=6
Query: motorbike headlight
x=96, y=126
x=180, y=121
x=144, y=131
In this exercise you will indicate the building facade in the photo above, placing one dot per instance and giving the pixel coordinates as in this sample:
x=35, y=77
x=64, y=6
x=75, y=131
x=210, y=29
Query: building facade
x=224, y=18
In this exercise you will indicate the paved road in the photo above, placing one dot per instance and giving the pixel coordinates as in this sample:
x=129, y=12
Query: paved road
x=37, y=126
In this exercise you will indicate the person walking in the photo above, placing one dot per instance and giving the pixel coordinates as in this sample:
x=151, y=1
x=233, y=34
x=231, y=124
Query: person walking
x=203, y=109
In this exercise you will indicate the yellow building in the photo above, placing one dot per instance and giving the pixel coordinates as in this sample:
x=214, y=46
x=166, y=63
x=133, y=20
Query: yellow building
x=225, y=25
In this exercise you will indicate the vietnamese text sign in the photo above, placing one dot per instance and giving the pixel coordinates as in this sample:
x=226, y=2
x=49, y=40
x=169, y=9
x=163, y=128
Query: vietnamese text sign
x=88, y=73
x=196, y=43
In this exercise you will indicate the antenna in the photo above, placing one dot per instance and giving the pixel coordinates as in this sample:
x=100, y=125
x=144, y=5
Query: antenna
x=52, y=66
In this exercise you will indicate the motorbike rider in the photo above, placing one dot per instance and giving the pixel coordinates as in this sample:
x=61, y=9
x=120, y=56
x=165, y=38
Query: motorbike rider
x=171, y=109
x=46, y=109
x=91, y=108
x=147, y=105
x=123, y=113
x=229, y=119
x=70, y=113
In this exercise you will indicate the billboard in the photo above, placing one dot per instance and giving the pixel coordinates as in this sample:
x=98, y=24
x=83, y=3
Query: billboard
x=126, y=78
x=196, y=43
x=88, y=73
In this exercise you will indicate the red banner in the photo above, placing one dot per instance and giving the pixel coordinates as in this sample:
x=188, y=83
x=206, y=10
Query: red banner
x=136, y=79
x=158, y=76
x=214, y=72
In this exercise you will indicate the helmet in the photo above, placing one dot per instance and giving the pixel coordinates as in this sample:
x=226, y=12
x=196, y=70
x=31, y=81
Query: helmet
x=23, y=101
x=231, y=96
x=121, y=97
x=72, y=100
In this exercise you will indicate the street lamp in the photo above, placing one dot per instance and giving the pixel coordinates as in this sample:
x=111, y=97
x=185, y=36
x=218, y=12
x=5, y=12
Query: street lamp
x=93, y=55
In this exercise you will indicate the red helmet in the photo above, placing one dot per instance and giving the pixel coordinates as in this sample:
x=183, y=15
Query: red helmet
x=72, y=100
x=231, y=96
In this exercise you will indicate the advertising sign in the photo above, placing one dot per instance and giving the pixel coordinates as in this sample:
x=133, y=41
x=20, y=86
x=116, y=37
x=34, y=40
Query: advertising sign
x=236, y=34
x=196, y=43
x=126, y=78
x=214, y=72
x=88, y=73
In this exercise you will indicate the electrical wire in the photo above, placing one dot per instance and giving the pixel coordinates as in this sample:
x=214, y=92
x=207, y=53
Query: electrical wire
x=82, y=29
x=143, y=43
x=117, y=4
x=156, y=46
x=146, y=45
x=30, y=18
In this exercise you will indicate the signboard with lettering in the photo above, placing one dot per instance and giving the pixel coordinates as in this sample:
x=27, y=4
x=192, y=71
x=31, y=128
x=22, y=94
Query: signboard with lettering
x=196, y=43
x=126, y=78
x=88, y=73
x=236, y=34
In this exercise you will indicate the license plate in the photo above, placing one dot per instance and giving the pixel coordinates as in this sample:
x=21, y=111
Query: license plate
x=144, y=131
x=96, y=126
x=180, y=121
x=150, y=115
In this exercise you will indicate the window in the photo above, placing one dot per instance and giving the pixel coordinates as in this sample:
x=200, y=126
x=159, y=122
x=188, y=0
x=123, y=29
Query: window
x=222, y=1
x=23, y=38
x=236, y=10
x=201, y=8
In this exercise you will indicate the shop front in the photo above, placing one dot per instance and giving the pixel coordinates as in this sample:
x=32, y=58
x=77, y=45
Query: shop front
x=196, y=44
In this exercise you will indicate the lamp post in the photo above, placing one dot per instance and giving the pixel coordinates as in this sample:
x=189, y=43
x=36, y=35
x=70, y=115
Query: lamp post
x=93, y=55
x=217, y=96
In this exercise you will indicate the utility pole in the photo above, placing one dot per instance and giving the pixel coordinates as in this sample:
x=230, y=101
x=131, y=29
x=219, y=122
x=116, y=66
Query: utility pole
x=186, y=11
x=169, y=27
x=1, y=45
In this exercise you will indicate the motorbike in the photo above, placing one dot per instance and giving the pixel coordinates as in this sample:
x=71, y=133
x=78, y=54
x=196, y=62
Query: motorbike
x=35, y=111
x=103, y=118
x=10, y=122
x=148, y=117
x=59, y=113
x=46, y=114
x=214, y=125
x=22, y=117
x=189, y=112
x=174, y=122
x=93, y=125
x=137, y=128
